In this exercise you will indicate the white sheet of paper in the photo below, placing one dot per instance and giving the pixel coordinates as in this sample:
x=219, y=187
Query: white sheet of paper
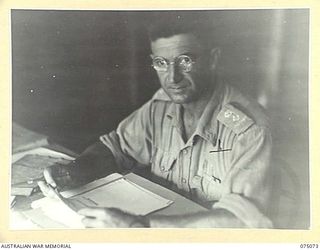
x=41, y=151
x=20, y=222
x=111, y=191
x=124, y=195
x=57, y=211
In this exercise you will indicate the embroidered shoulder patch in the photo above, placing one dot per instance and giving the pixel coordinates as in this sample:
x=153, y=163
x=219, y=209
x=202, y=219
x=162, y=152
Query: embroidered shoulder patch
x=234, y=119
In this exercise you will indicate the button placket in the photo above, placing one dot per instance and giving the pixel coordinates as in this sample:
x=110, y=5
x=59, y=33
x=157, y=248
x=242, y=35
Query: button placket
x=186, y=159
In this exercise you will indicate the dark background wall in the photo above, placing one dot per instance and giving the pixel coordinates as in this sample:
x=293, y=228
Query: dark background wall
x=76, y=74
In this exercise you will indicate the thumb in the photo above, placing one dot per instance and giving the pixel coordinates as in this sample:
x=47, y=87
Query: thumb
x=47, y=173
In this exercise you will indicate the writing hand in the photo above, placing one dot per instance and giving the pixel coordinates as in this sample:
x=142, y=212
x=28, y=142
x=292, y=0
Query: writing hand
x=55, y=177
x=47, y=190
x=110, y=217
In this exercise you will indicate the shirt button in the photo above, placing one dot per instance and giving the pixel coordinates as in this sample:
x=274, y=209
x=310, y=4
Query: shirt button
x=184, y=180
x=185, y=151
x=162, y=168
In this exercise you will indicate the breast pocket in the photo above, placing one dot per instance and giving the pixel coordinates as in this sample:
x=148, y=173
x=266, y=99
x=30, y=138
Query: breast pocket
x=211, y=186
x=163, y=163
x=209, y=180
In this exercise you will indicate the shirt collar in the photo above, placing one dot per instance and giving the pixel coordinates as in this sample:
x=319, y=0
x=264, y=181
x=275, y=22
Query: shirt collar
x=208, y=123
x=160, y=95
x=207, y=126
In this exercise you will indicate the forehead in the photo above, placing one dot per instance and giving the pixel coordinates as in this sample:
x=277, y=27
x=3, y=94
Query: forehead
x=176, y=45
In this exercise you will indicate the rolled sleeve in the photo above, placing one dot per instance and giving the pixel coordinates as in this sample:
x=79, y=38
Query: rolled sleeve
x=131, y=142
x=247, y=187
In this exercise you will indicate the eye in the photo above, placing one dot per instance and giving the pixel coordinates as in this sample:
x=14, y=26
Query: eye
x=159, y=62
x=184, y=60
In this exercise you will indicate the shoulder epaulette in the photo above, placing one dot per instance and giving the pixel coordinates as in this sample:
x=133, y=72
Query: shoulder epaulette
x=234, y=119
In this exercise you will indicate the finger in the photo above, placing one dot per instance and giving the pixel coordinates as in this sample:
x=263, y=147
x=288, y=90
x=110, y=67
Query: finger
x=100, y=213
x=93, y=223
x=43, y=187
x=47, y=173
x=46, y=190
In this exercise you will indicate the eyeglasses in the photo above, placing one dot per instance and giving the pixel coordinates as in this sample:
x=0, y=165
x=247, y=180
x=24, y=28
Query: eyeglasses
x=183, y=62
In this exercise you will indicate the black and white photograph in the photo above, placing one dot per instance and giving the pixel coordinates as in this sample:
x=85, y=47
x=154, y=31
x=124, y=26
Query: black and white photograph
x=160, y=119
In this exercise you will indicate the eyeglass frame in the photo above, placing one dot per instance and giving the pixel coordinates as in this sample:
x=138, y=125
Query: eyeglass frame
x=168, y=63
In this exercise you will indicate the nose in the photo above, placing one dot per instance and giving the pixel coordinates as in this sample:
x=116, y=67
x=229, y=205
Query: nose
x=174, y=74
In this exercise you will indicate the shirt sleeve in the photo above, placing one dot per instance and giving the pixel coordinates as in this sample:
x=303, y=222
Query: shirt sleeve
x=247, y=187
x=131, y=142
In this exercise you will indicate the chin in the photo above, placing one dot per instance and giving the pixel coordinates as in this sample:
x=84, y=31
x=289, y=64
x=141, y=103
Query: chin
x=180, y=96
x=180, y=99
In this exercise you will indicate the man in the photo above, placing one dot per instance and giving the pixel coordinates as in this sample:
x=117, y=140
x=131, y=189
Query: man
x=199, y=137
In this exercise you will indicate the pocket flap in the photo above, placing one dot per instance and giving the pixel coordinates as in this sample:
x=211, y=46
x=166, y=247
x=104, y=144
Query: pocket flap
x=163, y=160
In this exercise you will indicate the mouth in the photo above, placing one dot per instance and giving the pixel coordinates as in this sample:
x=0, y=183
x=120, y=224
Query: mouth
x=176, y=88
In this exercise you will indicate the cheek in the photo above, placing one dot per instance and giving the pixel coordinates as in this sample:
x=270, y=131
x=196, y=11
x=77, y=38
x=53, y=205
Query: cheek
x=193, y=78
x=201, y=75
x=161, y=77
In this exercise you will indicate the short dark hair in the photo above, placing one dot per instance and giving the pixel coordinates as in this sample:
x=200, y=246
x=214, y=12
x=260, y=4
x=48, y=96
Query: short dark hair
x=167, y=25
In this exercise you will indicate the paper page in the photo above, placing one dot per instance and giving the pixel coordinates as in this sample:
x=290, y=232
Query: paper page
x=41, y=151
x=57, y=211
x=92, y=185
x=29, y=169
x=116, y=192
x=18, y=221
x=124, y=195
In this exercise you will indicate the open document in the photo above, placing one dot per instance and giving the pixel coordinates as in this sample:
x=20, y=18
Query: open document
x=112, y=191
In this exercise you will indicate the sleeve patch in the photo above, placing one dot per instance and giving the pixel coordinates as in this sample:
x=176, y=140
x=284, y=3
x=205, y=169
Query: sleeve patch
x=234, y=119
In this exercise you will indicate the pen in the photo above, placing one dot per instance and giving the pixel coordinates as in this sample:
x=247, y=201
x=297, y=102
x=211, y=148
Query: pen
x=55, y=189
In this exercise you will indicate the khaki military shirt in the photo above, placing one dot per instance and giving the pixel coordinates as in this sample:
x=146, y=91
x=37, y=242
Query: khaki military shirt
x=224, y=164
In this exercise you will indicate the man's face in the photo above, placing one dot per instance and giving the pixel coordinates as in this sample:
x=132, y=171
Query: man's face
x=182, y=87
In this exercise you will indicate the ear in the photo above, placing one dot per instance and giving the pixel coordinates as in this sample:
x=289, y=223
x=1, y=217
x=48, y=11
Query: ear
x=214, y=57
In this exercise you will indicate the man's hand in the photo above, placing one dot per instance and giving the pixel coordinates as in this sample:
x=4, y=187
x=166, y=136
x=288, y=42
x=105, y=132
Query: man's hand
x=56, y=177
x=111, y=217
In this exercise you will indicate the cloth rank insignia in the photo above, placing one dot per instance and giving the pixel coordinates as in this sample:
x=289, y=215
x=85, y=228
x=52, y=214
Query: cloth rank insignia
x=234, y=119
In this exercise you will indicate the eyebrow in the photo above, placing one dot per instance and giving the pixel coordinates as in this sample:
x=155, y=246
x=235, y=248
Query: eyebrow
x=191, y=55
